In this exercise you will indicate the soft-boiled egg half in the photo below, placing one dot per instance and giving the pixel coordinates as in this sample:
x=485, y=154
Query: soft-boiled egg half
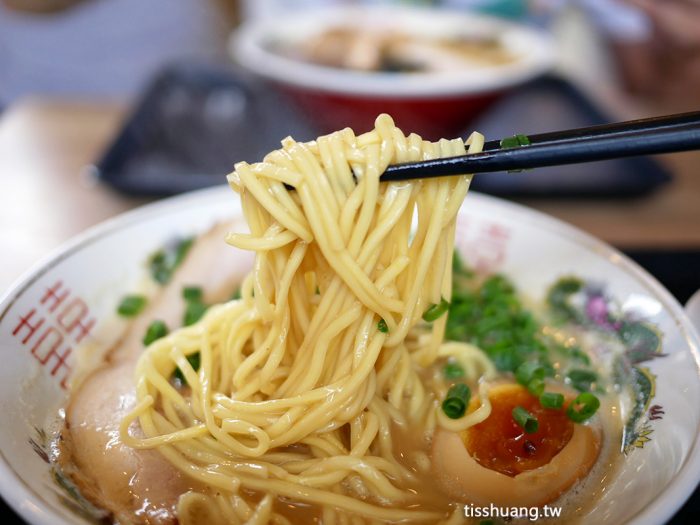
x=497, y=462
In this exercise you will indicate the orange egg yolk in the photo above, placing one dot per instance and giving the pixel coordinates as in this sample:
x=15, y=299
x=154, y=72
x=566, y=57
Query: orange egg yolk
x=499, y=443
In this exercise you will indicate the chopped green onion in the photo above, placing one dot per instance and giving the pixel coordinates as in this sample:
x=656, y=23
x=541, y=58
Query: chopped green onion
x=492, y=317
x=192, y=293
x=528, y=371
x=159, y=267
x=181, y=249
x=583, y=407
x=453, y=371
x=552, y=400
x=536, y=386
x=523, y=140
x=162, y=264
x=515, y=141
x=194, y=360
x=131, y=305
x=509, y=142
x=434, y=311
x=236, y=294
x=194, y=311
x=155, y=331
x=456, y=401
x=581, y=379
x=524, y=419
x=382, y=326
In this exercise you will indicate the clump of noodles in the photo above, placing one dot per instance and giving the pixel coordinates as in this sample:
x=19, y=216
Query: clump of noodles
x=300, y=384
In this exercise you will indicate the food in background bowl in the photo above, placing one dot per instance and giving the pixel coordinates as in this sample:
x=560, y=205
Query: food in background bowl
x=392, y=51
x=359, y=371
x=432, y=69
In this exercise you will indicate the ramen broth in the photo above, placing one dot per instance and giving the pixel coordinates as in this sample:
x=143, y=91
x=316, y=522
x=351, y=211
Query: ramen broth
x=412, y=449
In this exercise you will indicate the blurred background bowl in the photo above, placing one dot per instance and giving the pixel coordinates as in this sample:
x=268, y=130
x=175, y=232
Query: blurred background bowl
x=431, y=103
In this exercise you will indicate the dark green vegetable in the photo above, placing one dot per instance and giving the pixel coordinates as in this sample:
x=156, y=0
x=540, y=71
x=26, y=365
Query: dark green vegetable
x=159, y=267
x=530, y=370
x=435, y=311
x=524, y=419
x=195, y=362
x=456, y=401
x=163, y=263
x=515, y=141
x=382, y=326
x=183, y=246
x=535, y=386
x=582, y=380
x=192, y=293
x=155, y=331
x=583, y=407
x=531, y=375
x=194, y=310
x=492, y=317
x=131, y=305
x=452, y=371
x=552, y=400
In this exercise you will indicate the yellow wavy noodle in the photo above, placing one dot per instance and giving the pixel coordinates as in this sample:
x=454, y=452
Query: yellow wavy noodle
x=298, y=390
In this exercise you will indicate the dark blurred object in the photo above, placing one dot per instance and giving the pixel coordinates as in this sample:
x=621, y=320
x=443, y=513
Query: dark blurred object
x=189, y=129
x=677, y=270
x=666, y=67
x=40, y=6
x=195, y=122
x=551, y=104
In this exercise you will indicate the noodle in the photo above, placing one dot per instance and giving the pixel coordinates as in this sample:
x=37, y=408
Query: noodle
x=299, y=390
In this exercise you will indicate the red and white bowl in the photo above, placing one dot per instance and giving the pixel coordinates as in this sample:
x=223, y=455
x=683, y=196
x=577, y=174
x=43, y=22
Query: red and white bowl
x=433, y=104
x=65, y=306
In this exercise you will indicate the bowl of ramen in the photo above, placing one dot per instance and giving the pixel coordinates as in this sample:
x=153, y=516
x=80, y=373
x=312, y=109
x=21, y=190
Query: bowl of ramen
x=433, y=70
x=318, y=347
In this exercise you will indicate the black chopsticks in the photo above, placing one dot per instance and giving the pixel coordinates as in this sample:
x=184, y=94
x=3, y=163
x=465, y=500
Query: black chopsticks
x=624, y=139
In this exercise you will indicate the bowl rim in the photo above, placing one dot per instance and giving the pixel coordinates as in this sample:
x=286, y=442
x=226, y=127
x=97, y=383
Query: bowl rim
x=246, y=47
x=33, y=508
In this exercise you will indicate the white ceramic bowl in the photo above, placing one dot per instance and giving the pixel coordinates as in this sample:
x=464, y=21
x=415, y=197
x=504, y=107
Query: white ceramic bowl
x=433, y=104
x=80, y=284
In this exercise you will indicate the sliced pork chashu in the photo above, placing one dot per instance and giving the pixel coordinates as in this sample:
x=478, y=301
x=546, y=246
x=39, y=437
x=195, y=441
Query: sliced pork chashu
x=139, y=486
